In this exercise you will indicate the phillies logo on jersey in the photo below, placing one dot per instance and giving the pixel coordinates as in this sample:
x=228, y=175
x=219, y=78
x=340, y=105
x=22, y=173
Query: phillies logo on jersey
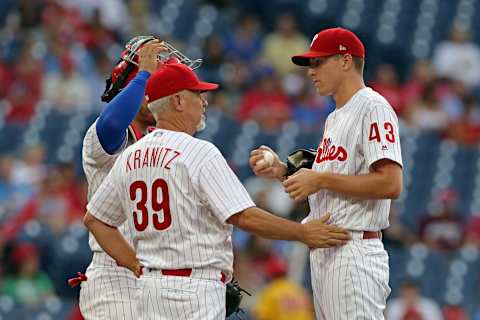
x=329, y=152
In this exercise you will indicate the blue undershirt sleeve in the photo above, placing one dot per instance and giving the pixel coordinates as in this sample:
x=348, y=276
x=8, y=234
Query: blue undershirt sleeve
x=114, y=120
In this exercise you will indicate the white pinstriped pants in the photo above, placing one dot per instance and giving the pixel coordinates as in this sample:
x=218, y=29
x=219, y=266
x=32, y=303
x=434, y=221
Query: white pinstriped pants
x=350, y=282
x=173, y=297
x=109, y=292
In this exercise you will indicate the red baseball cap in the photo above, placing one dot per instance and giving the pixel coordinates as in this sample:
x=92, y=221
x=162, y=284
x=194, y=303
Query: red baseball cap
x=173, y=78
x=330, y=42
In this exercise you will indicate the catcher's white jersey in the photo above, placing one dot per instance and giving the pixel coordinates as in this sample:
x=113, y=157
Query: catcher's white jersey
x=97, y=163
x=360, y=133
x=110, y=290
x=176, y=192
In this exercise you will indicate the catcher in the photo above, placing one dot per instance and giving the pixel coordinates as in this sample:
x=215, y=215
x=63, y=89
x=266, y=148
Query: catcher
x=181, y=200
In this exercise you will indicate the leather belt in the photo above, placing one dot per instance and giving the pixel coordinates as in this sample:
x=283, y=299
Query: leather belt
x=187, y=272
x=372, y=235
x=177, y=272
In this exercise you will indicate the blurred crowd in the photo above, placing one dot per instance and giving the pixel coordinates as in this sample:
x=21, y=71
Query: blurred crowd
x=61, y=52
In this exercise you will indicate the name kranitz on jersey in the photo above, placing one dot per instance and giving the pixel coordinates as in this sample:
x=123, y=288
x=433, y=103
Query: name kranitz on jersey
x=360, y=133
x=97, y=163
x=176, y=192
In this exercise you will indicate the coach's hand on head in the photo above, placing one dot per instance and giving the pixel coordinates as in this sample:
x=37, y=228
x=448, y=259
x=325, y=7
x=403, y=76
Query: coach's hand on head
x=148, y=56
x=277, y=170
x=315, y=233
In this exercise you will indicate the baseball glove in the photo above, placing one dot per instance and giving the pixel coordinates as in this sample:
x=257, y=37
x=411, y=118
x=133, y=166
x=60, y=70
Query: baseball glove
x=234, y=297
x=300, y=158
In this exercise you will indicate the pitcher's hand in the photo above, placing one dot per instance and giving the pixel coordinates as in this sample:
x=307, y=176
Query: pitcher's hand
x=302, y=184
x=277, y=170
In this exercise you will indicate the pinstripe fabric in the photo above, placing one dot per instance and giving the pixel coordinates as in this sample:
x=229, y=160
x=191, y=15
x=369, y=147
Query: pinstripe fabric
x=109, y=292
x=97, y=163
x=203, y=192
x=349, y=128
x=167, y=298
x=351, y=282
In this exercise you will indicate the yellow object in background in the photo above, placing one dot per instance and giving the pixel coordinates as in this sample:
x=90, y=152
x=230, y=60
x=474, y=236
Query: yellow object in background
x=283, y=299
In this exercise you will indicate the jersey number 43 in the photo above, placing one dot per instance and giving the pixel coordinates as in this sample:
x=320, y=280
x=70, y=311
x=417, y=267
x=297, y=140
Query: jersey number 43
x=375, y=133
x=141, y=217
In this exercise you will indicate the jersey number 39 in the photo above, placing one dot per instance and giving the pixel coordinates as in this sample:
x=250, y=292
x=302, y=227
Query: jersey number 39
x=141, y=217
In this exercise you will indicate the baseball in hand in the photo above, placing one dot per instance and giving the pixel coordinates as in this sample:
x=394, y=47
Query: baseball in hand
x=268, y=158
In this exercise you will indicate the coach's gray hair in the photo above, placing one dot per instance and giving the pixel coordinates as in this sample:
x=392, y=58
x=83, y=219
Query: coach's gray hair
x=159, y=106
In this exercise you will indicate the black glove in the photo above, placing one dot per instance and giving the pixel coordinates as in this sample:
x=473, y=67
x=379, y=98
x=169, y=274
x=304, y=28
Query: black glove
x=234, y=297
x=300, y=158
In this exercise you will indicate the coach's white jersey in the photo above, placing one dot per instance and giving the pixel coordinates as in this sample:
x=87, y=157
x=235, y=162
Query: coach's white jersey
x=176, y=192
x=97, y=163
x=360, y=133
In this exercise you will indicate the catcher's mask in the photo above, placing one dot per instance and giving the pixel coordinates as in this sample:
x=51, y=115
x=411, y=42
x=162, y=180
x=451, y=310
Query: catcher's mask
x=127, y=66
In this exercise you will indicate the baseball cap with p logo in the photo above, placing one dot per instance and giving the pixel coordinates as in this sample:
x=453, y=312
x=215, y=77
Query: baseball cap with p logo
x=330, y=42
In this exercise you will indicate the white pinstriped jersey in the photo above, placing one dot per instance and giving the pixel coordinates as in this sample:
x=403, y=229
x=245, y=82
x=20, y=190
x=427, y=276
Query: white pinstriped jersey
x=97, y=163
x=360, y=133
x=176, y=192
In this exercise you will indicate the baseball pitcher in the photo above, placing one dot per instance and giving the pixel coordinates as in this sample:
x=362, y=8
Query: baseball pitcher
x=356, y=172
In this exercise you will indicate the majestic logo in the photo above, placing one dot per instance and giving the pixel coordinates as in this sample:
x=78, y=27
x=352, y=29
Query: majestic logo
x=329, y=152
